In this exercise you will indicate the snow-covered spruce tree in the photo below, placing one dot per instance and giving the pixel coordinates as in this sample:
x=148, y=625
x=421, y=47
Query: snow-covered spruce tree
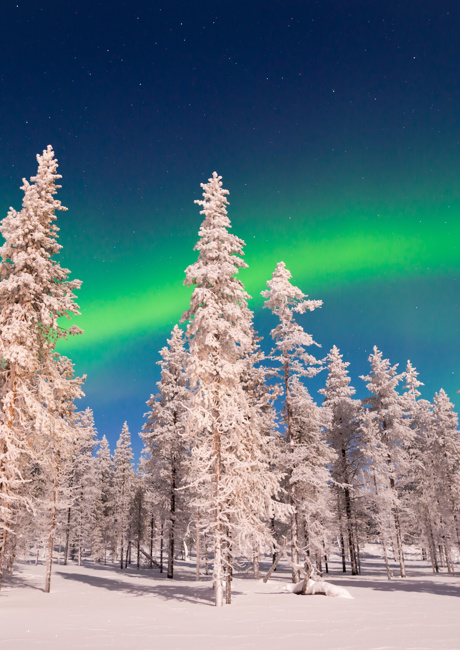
x=80, y=515
x=419, y=496
x=342, y=436
x=432, y=517
x=34, y=293
x=57, y=435
x=154, y=507
x=387, y=437
x=138, y=512
x=164, y=436
x=233, y=481
x=444, y=448
x=103, y=537
x=262, y=396
x=123, y=481
x=307, y=461
x=290, y=360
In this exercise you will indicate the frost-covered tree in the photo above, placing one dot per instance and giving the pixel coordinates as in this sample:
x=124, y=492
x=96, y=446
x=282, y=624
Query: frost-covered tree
x=342, y=436
x=35, y=292
x=233, y=481
x=164, y=436
x=387, y=438
x=122, y=482
x=290, y=361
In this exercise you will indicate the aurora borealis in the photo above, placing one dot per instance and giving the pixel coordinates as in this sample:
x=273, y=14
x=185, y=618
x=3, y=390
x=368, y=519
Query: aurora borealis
x=335, y=126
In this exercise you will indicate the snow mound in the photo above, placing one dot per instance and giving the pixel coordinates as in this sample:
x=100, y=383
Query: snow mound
x=316, y=588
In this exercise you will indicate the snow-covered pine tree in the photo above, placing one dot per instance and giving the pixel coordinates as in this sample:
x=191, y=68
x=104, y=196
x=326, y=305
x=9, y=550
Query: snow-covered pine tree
x=164, y=436
x=342, y=436
x=233, y=480
x=123, y=481
x=34, y=293
x=290, y=360
x=387, y=438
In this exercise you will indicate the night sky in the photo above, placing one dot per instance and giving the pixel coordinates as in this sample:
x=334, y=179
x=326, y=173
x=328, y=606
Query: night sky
x=335, y=126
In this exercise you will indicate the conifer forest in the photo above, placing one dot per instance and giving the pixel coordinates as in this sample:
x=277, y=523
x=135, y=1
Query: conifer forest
x=243, y=463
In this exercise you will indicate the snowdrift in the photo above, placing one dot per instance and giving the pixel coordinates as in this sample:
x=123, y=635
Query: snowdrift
x=319, y=587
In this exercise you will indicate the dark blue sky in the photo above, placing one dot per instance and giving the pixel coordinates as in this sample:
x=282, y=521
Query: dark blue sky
x=335, y=125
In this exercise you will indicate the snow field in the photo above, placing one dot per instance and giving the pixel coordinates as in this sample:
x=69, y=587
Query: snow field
x=96, y=607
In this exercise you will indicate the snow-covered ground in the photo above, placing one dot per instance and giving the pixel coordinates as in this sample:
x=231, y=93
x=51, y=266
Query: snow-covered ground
x=101, y=607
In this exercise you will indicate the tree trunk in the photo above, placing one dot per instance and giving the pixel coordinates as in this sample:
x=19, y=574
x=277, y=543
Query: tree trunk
x=122, y=526
x=197, y=545
x=206, y=555
x=228, y=569
x=3, y=554
x=80, y=531
x=139, y=529
x=67, y=535
x=308, y=569
x=256, y=563
x=397, y=522
x=326, y=563
x=342, y=541
x=49, y=559
x=357, y=551
x=294, y=537
x=161, y=545
x=152, y=522
x=385, y=555
x=432, y=545
x=351, y=542
x=273, y=532
x=277, y=559
x=5, y=489
x=348, y=513
x=218, y=562
x=172, y=520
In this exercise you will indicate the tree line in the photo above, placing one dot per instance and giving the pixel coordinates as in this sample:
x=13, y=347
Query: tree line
x=239, y=459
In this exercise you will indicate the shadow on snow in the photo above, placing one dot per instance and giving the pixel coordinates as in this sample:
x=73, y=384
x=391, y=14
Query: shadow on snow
x=171, y=590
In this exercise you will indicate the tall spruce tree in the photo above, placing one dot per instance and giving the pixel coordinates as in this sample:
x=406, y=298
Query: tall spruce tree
x=35, y=292
x=103, y=537
x=233, y=481
x=342, y=436
x=57, y=439
x=123, y=482
x=164, y=436
x=291, y=361
x=445, y=452
x=387, y=438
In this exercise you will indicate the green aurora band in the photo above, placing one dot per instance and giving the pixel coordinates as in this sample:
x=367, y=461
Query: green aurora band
x=322, y=255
